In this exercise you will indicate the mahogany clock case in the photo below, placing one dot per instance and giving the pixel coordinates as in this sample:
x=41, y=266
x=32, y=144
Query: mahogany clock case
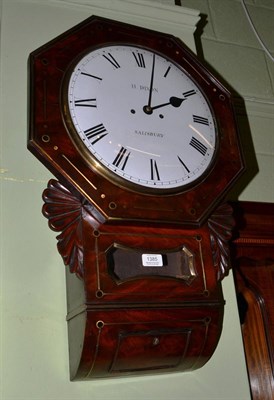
x=125, y=315
x=50, y=141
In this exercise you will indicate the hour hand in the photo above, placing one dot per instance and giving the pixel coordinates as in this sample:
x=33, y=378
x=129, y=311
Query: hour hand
x=173, y=101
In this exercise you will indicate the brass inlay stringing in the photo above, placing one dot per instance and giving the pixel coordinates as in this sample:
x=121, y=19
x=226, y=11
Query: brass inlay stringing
x=199, y=240
x=79, y=172
x=97, y=266
x=99, y=325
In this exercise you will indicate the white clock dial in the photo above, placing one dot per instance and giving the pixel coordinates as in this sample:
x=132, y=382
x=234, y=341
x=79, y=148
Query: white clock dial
x=142, y=120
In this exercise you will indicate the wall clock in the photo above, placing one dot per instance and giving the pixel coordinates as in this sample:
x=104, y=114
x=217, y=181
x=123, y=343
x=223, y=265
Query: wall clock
x=143, y=142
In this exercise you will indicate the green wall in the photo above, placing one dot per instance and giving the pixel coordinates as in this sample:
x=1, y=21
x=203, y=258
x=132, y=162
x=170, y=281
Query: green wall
x=34, y=353
x=230, y=46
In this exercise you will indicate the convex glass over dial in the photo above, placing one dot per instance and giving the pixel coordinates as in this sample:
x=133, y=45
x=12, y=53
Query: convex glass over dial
x=139, y=118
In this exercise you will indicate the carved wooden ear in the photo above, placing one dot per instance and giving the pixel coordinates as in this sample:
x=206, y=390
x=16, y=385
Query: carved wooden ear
x=65, y=213
x=221, y=224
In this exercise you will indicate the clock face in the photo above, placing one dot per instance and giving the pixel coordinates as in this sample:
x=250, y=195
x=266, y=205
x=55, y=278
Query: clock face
x=139, y=119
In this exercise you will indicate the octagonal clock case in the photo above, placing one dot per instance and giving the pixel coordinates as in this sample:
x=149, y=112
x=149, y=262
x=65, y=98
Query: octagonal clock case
x=143, y=141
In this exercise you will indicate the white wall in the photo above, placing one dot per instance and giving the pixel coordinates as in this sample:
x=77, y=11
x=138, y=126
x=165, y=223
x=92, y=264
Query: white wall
x=34, y=349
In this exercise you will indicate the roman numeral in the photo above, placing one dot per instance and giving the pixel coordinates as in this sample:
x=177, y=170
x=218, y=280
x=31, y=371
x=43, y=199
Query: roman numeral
x=154, y=173
x=121, y=158
x=91, y=76
x=97, y=133
x=189, y=93
x=112, y=60
x=85, y=103
x=181, y=161
x=200, y=120
x=167, y=71
x=198, y=146
x=139, y=58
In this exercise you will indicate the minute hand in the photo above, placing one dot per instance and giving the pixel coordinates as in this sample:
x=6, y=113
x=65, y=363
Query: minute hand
x=173, y=101
x=151, y=83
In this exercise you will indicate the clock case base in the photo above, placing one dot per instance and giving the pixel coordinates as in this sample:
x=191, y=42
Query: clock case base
x=142, y=340
x=124, y=319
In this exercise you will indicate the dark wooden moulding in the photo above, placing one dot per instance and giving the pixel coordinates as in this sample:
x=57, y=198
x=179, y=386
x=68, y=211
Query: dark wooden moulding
x=253, y=265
